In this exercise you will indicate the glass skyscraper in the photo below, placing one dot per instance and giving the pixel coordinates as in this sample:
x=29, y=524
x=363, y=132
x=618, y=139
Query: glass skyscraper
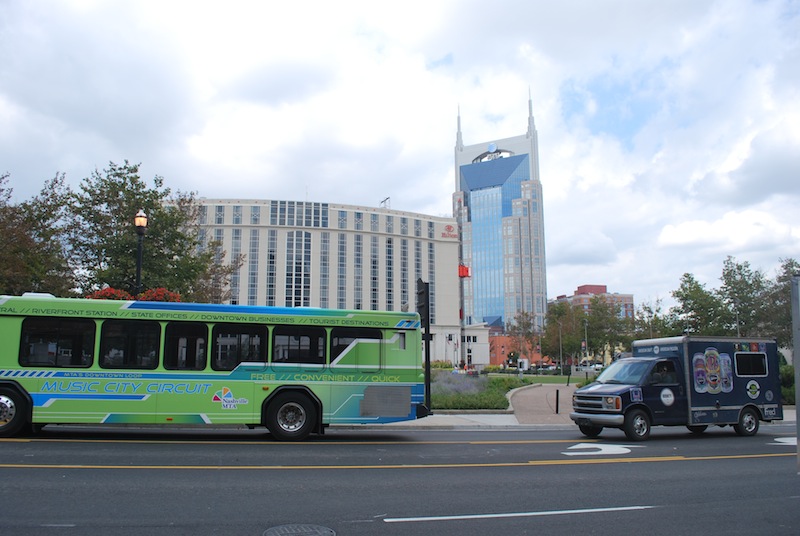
x=498, y=208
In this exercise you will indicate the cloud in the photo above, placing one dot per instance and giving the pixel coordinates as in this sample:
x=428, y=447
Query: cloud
x=669, y=132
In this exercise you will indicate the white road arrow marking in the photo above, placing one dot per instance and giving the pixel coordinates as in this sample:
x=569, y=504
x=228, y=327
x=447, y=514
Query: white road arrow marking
x=792, y=441
x=599, y=449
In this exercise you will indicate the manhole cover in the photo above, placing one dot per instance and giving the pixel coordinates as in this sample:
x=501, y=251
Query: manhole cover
x=299, y=529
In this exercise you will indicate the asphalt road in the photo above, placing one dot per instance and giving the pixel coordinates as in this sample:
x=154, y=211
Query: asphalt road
x=88, y=482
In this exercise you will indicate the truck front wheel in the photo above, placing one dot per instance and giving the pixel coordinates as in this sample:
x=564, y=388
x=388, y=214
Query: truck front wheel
x=637, y=425
x=590, y=431
x=748, y=423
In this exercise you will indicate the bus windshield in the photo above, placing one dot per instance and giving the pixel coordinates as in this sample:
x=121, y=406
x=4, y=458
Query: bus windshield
x=624, y=371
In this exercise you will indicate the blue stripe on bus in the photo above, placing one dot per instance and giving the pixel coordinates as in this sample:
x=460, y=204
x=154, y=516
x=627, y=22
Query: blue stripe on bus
x=46, y=399
x=240, y=309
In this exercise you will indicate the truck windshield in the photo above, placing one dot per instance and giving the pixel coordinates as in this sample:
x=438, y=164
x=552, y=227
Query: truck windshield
x=624, y=371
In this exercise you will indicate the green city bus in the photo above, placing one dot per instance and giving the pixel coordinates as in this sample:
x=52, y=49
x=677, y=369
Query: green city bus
x=291, y=370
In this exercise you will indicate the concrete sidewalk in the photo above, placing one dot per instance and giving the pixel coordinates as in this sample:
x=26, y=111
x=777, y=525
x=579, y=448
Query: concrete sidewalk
x=544, y=405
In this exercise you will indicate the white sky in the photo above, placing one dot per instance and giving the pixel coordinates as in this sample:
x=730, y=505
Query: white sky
x=669, y=132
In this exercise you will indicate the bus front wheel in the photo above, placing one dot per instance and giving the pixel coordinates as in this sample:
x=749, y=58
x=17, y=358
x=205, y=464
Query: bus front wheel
x=12, y=412
x=291, y=417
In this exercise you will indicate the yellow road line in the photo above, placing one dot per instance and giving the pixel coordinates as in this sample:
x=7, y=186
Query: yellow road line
x=532, y=463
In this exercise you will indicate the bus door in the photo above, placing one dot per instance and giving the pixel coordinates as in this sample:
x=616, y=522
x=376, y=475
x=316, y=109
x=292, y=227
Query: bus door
x=298, y=357
x=129, y=351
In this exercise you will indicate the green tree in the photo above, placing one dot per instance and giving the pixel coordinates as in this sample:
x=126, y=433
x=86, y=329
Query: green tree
x=744, y=293
x=700, y=311
x=778, y=301
x=104, y=241
x=606, y=328
x=651, y=321
x=563, y=332
x=524, y=332
x=33, y=242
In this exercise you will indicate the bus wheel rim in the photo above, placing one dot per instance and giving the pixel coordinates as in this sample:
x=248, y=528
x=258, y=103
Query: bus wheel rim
x=8, y=409
x=291, y=417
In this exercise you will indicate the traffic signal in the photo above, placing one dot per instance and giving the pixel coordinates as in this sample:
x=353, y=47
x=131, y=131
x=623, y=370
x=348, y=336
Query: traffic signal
x=423, y=301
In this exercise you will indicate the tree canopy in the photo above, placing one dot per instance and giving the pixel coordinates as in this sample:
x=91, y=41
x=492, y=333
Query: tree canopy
x=78, y=242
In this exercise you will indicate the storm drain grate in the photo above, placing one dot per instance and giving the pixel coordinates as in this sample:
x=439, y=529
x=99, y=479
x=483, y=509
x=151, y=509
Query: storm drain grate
x=299, y=529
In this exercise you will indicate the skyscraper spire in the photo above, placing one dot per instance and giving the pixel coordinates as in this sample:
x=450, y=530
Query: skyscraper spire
x=459, y=140
x=531, y=125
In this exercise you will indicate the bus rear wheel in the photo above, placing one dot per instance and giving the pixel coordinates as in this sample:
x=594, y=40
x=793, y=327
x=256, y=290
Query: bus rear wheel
x=12, y=412
x=291, y=417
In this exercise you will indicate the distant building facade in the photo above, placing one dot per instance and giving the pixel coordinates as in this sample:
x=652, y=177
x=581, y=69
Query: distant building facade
x=311, y=254
x=584, y=294
x=498, y=207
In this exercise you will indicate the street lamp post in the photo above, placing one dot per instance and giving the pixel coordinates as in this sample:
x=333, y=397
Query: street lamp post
x=140, y=221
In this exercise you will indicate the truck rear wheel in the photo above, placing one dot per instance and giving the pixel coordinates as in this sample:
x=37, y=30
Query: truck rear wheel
x=637, y=425
x=748, y=423
x=590, y=431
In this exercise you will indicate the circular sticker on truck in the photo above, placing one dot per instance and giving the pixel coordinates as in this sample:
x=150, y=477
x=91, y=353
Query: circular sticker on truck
x=667, y=397
x=753, y=389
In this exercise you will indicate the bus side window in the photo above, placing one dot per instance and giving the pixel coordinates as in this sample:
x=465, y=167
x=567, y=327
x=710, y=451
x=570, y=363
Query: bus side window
x=56, y=342
x=298, y=344
x=343, y=338
x=237, y=343
x=130, y=344
x=185, y=346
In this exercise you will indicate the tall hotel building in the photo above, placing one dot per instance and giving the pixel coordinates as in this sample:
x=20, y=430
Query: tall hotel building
x=498, y=207
x=310, y=254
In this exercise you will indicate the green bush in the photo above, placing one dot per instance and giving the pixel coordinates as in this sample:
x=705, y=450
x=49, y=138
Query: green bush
x=787, y=384
x=462, y=391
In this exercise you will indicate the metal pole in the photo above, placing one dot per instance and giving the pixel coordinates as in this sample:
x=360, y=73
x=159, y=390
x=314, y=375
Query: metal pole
x=796, y=349
x=138, y=287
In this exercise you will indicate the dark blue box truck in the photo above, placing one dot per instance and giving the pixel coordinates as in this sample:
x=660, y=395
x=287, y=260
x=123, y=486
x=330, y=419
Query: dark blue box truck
x=695, y=382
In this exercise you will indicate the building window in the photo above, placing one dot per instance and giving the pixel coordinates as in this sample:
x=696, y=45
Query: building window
x=236, y=250
x=404, y=226
x=341, y=286
x=358, y=264
x=252, y=268
x=237, y=214
x=359, y=221
x=298, y=269
x=389, y=224
x=324, y=269
x=373, y=223
x=255, y=215
x=374, y=274
x=219, y=215
x=389, y=275
x=272, y=268
x=342, y=219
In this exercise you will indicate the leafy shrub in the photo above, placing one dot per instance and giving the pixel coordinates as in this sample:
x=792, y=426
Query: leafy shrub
x=109, y=293
x=463, y=391
x=160, y=294
x=787, y=384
